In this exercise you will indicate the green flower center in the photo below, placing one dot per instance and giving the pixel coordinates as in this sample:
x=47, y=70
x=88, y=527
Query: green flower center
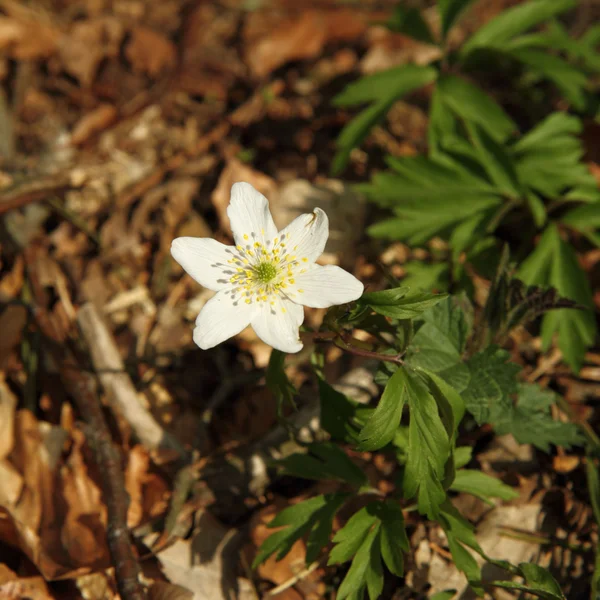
x=265, y=272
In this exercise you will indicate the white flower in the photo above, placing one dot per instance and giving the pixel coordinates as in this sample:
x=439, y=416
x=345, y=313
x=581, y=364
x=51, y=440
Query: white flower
x=266, y=278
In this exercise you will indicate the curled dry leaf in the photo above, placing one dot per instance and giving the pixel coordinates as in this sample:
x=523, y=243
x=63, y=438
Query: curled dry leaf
x=53, y=507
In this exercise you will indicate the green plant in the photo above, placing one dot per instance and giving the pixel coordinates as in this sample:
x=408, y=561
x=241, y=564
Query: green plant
x=548, y=55
x=481, y=179
x=471, y=188
x=437, y=364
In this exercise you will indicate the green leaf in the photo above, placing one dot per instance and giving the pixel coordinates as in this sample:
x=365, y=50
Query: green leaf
x=538, y=580
x=435, y=215
x=362, y=570
x=393, y=539
x=460, y=533
x=314, y=515
x=374, y=573
x=482, y=486
x=555, y=263
x=557, y=126
x=450, y=403
x=585, y=219
x=462, y=456
x=530, y=420
x=428, y=451
x=496, y=161
x=325, y=461
x=352, y=535
x=383, y=89
x=392, y=82
x=450, y=12
x=277, y=381
x=471, y=104
x=514, y=21
x=399, y=303
x=410, y=22
x=438, y=344
x=493, y=380
x=570, y=81
x=381, y=427
x=537, y=208
x=338, y=413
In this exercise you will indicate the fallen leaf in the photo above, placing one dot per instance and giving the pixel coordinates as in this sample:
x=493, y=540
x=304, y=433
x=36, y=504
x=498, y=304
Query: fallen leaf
x=272, y=41
x=149, y=51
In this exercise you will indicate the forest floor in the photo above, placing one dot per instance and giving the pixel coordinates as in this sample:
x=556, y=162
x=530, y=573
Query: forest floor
x=123, y=125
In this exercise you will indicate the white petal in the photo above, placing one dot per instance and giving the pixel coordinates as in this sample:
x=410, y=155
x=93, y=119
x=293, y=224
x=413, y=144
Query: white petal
x=204, y=259
x=306, y=236
x=249, y=215
x=278, y=325
x=323, y=287
x=220, y=319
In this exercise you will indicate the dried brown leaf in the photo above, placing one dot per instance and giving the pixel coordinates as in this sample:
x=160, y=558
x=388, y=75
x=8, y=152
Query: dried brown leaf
x=149, y=51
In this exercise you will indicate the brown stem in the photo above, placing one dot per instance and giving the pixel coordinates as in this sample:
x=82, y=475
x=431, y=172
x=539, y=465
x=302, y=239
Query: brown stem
x=81, y=386
x=345, y=344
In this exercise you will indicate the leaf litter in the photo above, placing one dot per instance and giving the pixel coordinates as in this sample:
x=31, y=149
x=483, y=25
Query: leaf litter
x=123, y=129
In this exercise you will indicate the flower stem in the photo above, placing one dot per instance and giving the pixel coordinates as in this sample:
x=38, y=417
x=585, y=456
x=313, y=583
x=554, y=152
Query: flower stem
x=345, y=343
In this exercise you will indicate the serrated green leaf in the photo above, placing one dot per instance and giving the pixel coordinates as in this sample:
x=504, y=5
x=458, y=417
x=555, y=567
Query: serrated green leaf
x=428, y=451
x=374, y=573
x=450, y=12
x=530, y=420
x=399, y=80
x=536, y=207
x=569, y=80
x=410, y=22
x=350, y=537
x=384, y=421
x=449, y=401
x=434, y=215
x=322, y=524
x=393, y=539
x=496, y=161
x=298, y=520
x=400, y=303
x=493, y=380
x=324, y=461
x=383, y=90
x=557, y=126
x=585, y=219
x=460, y=533
x=555, y=263
x=356, y=577
x=439, y=341
x=482, y=486
x=513, y=21
x=471, y=104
